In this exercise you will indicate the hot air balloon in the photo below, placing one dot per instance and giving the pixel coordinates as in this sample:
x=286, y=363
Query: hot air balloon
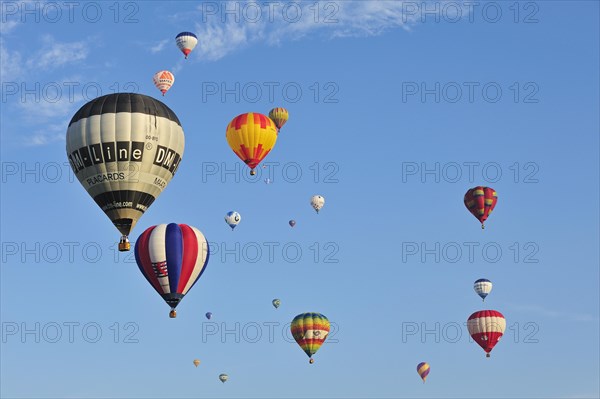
x=268, y=181
x=480, y=201
x=172, y=257
x=317, y=202
x=486, y=328
x=223, y=378
x=232, y=218
x=279, y=116
x=292, y=223
x=208, y=315
x=276, y=303
x=251, y=136
x=423, y=370
x=186, y=41
x=310, y=331
x=196, y=362
x=163, y=81
x=482, y=287
x=124, y=149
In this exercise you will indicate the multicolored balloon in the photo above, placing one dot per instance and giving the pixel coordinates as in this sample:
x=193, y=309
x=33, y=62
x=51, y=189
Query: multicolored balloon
x=276, y=303
x=223, y=378
x=310, y=331
x=172, y=257
x=481, y=201
x=232, y=218
x=317, y=202
x=279, y=116
x=486, y=327
x=423, y=370
x=482, y=287
x=163, y=81
x=124, y=149
x=208, y=315
x=292, y=223
x=186, y=41
x=251, y=136
x=196, y=362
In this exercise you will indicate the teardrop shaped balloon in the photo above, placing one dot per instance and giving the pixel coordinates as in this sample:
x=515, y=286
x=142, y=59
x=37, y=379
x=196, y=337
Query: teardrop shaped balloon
x=232, y=218
x=317, y=202
x=310, y=331
x=124, y=149
x=423, y=370
x=208, y=315
x=481, y=201
x=223, y=378
x=251, y=136
x=196, y=362
x=163, y=81
x=276, y=302
x=292, y=223
x=486, y=327
x=172, y=257
x=186, y=41
x=482, y=287
x=279, y=116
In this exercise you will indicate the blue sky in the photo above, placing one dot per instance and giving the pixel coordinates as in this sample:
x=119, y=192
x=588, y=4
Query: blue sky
x=529, y=129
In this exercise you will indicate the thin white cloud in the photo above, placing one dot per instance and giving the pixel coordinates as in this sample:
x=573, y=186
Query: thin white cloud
x=233, y=25
x=54, y=54
x=10, y=64
x=158, y=47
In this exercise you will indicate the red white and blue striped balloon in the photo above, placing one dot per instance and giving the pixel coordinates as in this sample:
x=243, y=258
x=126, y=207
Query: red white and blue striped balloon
x=172, y=257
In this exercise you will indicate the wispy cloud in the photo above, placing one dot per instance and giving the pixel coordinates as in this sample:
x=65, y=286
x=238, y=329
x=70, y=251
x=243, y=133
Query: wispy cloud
x=221, y=34
x=51, y=134
x=158, y=47
x=55, y=54
x=10, y=63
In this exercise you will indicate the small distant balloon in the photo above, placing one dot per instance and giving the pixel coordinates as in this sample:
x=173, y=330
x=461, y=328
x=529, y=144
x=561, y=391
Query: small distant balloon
x=208, y=315
x=196, y=362
x=423, y=370
x=292, y=223
x=268, y=181
x=223, y=378
x=186, y=41
x=233, y=218
x=276, y=303
x=279, y=116
x=163, y=81
x=317, y=202
x=481, y=201
x=482, y=287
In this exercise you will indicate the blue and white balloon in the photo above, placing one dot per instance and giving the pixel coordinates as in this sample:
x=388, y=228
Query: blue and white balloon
x=232, y=219
x=482, y=287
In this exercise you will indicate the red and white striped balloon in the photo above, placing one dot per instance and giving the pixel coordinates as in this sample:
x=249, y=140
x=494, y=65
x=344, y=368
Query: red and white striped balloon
x=486, y=328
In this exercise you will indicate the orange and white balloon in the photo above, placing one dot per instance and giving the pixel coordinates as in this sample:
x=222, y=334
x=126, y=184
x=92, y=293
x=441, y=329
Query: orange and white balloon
x=163, y=81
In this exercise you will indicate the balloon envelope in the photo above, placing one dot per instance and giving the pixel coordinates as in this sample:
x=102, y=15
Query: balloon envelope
x=186, y=41
x=276, y=303
x=233, y=218
x=486, y=327
x=163, y=81
x=251, y=136
x=317, y=202
x=196, y=362
x=481, y=201
x=292, y=223
x=208, y=315
x=223, y=377
x=172, y=257
x=423, y=370
x=482, y=287
x=279, y=116
x=310, y=331
x=124, y=149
